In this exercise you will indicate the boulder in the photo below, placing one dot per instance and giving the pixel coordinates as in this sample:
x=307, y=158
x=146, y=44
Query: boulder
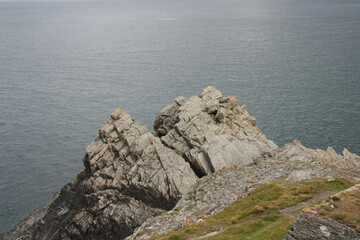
x=116, y=114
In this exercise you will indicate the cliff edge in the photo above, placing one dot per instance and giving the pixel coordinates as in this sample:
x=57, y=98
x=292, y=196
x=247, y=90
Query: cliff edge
x=206, y=153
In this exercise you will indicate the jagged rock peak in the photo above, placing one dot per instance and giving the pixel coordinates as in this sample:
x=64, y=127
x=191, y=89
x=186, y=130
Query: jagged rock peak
x=211, y=131
x=129, y=177
x=136, y=160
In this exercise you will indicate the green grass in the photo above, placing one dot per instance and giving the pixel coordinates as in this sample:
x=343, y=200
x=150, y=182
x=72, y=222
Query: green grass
x=278, y=195
x=356, y=219
x=258, y=230
x=328, y=209
x=340, y=216
x=270, y=218
x=257, y=216
x=335, y=198
x=175, y=237
x=118, y=134
x=191, y=196
x=346, y=208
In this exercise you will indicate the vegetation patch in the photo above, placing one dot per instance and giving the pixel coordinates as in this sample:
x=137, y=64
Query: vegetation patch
x=118, y=133
x=178, y=208
x=191, y=196
x=270, y=218
x=344, y=207
x=257, y=216
x=258, y=229
x=335, y=198
x=175, y=237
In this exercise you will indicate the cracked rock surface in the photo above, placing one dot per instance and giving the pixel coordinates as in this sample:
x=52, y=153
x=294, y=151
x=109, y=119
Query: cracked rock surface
x=311, y=226
x=206, y=153
x=214, y=192
x=211, y=131
x=129, y=176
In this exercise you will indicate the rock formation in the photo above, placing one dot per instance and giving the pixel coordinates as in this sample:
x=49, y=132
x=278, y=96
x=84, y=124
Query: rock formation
x=129, y=176
x=211, y=131
x=218, y=190
x=132, y=176
x=312, y=226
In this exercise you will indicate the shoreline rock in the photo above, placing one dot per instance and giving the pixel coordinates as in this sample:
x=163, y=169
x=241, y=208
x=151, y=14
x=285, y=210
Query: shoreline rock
x=205, y=153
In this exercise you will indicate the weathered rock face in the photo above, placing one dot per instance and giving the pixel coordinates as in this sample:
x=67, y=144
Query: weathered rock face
x=211, y=132
x=129, y=176
x=218, y=190
x=132, y=176
x=310, y=226
x=128, y=158
x=295, y=152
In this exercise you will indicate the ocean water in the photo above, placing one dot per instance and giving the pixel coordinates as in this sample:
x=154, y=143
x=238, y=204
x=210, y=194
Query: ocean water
x=64, y=66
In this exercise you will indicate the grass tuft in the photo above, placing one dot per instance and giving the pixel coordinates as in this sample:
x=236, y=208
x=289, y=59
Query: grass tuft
x=270, y=218
x=335, y=198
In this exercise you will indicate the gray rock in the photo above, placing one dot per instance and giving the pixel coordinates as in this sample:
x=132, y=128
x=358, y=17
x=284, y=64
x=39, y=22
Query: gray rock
x=310, y=226
x=129, y=177
x=211, y=132
x=225, y=186
x=133, y=177
x=116, y=114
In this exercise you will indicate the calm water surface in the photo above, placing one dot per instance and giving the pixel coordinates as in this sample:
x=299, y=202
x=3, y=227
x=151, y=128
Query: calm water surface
x=64, y=66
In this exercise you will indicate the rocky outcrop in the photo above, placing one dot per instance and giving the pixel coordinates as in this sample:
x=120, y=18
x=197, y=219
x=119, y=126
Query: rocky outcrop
x=129, y=176
x=149, y=182
x=310, y=226
x=218, y=190
x=295, y=152
x=211, y=131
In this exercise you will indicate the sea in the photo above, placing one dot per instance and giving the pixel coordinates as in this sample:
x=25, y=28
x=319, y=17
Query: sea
x=66, y=65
